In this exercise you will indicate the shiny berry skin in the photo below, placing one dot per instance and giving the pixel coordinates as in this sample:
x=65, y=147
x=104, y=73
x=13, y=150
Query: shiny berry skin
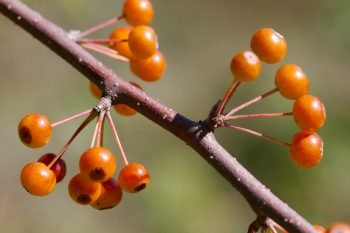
x=34, y=130
x=150, y=69
x=138, y=12
x=306, y=149
x=97, y=164
x=124, y=109
x=95, y=91
x=142, y=42
x=269, y=45
x=119, y=34
x=38, y=179
x=133, y=178
x=83, y=191
x=319, y=228
x=309, y=113
x=111, y=195
x=291, y=81
x=338, y=227
x=59, y=167
x=245, y=66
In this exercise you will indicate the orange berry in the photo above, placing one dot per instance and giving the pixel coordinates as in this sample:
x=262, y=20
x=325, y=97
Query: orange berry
x=306, y=149
x=95, y=91
x=97, y=164
x=111, y=195
x=38, y=179
x=269, y=45
x=83, y=191
x=245, y=66
x=124, y=109
x=34, y=130
x=320, y=229
x=309, y=113
x=142, y=42
x=122, y=47
x=291, y=81
x=338, y=227
x=133, y=178
x=138, y=12
x=150, y=69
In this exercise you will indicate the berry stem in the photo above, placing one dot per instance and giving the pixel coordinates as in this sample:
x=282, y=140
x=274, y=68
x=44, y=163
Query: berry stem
x=94, y=135
x=230, y=91
x=99, y=139
x=116, y=137
x=250, y=102
x=258, y=115
x=104, y=50
x=99, y=41
x=70, y=118
x=275, y=225
x=255, y=133
x=92, y=115
x=99, y=26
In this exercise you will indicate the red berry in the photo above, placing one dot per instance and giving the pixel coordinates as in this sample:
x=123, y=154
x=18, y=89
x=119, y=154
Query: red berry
x=38, y=179
x=269, y=45
x=83, y=191
x=142, y=42
x=34, y=130
x=59, y=167
x=111, y=195
x=138, y=12
x=122, y=47
x=133, y=178
x=309, y=113
x=338, y=227
x=124, y=109
x=291, y=81
x=150, y=69
x=245, y=66
x=95, y=91
x=306, y=149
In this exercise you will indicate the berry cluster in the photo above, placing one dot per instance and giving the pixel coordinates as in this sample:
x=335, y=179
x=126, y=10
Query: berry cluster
x=306, y=148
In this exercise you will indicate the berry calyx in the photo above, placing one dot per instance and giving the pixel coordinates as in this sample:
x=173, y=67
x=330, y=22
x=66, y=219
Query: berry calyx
x=59, y=167
x=150, y=69
x=34, y=130
x=95, y=91
x=291, y=81
x=142, y=42
x=97, y=164
x=133, y=178
x=38, y=179
x=338, y=227
x=122, y=47
x=309, y=113
x=124, y=109
x=83, y=191
x=245, y=66
x=138, y=12
x=111, y=195
x=306, y=149
x=269, y=45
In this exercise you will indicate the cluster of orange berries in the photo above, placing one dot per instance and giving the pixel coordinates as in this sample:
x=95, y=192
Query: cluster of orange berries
x=268, y=46
x=337, y=227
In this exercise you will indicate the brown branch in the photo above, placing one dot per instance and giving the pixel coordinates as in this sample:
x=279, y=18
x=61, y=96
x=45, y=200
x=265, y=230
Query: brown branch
x=195, y=134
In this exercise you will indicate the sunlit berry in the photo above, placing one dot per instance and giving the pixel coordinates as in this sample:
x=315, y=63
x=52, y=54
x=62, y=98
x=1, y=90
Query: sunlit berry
x=111, y=195
x=338, y=227
x=124, y=109
x=97, y=164
x=269, y=45
x=245, y=66
x=309, y=113
x=291, y=81
x=142, y=42
x=95, y=91
x=306, y=149
x=319, y=229
x=38, y=179
x=122, y=47
x=34, y=130
x=83, y=191
x=59, y=167
x=150, y=69
x=133, y=178
x=138, y=12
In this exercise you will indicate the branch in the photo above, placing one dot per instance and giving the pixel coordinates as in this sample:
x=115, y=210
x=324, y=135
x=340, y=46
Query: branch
x=195, y=134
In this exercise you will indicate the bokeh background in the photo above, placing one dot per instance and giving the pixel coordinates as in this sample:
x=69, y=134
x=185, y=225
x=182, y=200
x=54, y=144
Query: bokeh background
x=199, y=38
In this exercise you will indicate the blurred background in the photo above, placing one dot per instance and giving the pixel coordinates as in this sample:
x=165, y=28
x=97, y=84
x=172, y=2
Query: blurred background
x=199, y=38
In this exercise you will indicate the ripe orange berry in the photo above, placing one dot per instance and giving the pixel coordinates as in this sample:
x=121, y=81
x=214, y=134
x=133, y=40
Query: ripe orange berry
x=150, y=69
x=59, y=167
x=124, y=109
x=338, y=227
x=306, y=149
x=121, y=33
x=142, y=42
x=34, y=130
x=319, y=228
x=111, y=195
x=269, y=45
x=95, y=91
x=83, y=191
x=38, y=179
x=97, y=164
x=133, y=178
x=309, y=113
x=291, y=81
x=245, y=66
x=138, y=12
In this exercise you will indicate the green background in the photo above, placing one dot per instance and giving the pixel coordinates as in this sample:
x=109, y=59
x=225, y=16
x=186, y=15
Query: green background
x=199, y=38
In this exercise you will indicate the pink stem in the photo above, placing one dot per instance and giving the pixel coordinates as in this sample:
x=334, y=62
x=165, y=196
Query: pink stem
x=70, y=118
x=100, y=41
x=105, y=51
x=94, y=135
x=231, y=89
x=259, y=115
x=99, y=129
